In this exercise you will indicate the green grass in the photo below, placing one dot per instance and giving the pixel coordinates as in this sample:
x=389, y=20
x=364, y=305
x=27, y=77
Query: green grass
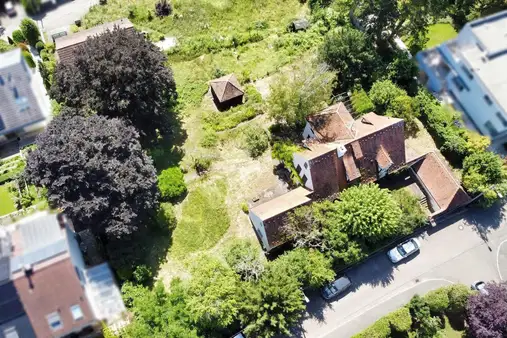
x=439, y=33
x=6, y=204
x=204, y=219
x=450, y=332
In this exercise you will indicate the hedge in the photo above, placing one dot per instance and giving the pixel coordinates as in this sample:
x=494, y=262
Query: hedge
x=381, y=329
x=437, y=300
x=400, y=320
x=171, y=183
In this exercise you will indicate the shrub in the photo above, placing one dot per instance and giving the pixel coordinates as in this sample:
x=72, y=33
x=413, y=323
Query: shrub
x=419, y=309
x=283, y=151
x=142, y=274
x=17, y=36
x=244, y=207
x=381, y=329
x=361, y=103
x=201, y=164
x=400, y=320
x=171, y=183
x=412, y=214
x=39, y=46
x=163, y=8
x=256, y=141
x=30, y=31
x=209, y=139
x=458, y=297
x=29, y=59
x=437, y=300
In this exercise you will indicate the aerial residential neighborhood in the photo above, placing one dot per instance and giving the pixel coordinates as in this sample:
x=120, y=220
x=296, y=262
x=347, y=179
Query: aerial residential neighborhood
x=253, y=168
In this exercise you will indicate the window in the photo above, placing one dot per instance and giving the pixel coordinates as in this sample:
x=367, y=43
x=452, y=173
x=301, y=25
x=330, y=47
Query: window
x=11, y=332
x=1, y=81
x=54, y=321
x=304, y=179
x=488, y=100
x=77, y=314
x=306, y=165
x=491, y=129
x=467, y=72
x=15, y=92
x=501, y=118
x=458, y=82
x=298, y=169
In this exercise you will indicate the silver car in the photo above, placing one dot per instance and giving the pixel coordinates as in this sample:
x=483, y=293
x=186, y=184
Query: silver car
x=404, y=250
x=335, y=288
x=481, y=287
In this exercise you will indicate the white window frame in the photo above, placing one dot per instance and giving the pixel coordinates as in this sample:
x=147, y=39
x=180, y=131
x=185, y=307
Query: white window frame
x=53, y=318
x=78, y=314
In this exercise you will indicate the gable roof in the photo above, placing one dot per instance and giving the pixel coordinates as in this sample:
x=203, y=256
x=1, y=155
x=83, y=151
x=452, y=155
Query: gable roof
x=439, y=182
x=332, y=124
x=226, y=87
x=66, y=45
x=282, y=204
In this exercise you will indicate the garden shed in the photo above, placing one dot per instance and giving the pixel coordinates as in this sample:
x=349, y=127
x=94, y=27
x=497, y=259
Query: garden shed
x=299, y=25
x=226, y=92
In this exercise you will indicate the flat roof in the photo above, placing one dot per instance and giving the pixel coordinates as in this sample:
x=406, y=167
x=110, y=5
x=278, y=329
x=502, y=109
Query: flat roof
x=281, y=204
x=12, y=57
x=79, y=37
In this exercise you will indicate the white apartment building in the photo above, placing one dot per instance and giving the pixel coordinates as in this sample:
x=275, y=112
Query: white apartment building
x=472, y=70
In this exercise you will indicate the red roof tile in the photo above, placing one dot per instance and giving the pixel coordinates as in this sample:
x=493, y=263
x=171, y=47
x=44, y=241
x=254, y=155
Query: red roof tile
x=440, y=183
x=350, y=167
x=332, y=124
x=383, y=158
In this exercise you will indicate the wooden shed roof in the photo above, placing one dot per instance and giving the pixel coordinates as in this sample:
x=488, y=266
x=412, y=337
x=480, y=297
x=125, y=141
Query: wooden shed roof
x=226, y=88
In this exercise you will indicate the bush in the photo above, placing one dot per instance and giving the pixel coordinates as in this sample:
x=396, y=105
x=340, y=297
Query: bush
x=244, y=207
x=17, y=36
x=282, y=151
x=458, y=297
x=361, y=103
x=201, y=164
x=29, y=59
x=30, y=31
x=171, y=183
x=400, y=320
x=209, y=139
x=256, y=141
x=437, y=300
x=163, y=8
x=40, y=46
x=412, y=214
x=381, y=329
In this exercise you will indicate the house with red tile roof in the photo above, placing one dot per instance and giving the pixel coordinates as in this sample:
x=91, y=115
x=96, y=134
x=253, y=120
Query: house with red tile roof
x=342, y=151
x=55, y=293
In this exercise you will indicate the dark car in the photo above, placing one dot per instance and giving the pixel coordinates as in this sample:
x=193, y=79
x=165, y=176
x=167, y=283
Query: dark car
x=336, y=287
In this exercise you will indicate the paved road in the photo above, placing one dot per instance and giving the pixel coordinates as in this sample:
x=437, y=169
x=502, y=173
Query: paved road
x=52, y=17
x=472, y=248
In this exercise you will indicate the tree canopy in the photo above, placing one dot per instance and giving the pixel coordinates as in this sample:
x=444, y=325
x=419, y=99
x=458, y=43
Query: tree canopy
x=487, y=313
x=119, y=74
x=95, y=170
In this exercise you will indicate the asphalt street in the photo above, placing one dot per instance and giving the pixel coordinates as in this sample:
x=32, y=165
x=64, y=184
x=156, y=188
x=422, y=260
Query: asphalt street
x=463, y=250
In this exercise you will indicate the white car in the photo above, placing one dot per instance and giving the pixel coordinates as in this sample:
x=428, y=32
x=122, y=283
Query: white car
x=480, y=286
x=404, y=250
x=9, y=8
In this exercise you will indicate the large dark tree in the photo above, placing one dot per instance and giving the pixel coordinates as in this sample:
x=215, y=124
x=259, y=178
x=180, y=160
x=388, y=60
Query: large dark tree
x=96, y=171
x=487, y=313
x=119, y=74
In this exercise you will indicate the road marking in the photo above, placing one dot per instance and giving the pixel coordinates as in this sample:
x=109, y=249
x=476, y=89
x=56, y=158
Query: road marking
x=498, y=258
x=371, y=307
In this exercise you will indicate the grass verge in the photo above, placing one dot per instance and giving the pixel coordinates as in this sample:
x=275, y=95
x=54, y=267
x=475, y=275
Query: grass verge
x=6, y=203
x=440, y=32
x=204, y=218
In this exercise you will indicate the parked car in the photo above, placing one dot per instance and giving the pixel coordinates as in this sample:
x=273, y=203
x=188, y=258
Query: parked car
x=480, y=286
x=9, y=8
x=404, y=250
x=335, y=288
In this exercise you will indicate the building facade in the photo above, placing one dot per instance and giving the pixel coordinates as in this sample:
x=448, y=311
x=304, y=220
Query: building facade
x=471, y=70
x=25, y=107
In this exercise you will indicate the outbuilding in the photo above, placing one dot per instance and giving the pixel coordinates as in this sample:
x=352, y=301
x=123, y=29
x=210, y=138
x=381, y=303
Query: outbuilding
x=226, y=92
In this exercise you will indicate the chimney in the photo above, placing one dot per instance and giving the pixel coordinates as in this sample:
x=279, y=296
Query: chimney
x=28, y=269
x=366, y=121
x=341, y=150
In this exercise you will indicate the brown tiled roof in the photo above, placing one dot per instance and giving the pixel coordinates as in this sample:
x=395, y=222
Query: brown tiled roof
x=383, y=158
x=332, y=124
x=226, y=88
x=440, y=183
x=67, y=45
x=53, y=288
x=371, y=123
x=328, y=174
x=351, y=167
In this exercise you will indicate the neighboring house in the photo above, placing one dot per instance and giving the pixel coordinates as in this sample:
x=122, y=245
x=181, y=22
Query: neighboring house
x=66, y=46
x=24, y=104
x=226, y=92
x=342, y=152
x=267, y=217
x=59, y=295
x=472, y=70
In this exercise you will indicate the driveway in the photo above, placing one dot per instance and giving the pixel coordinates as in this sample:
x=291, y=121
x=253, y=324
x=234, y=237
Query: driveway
x=52, y=17
x=465, y=250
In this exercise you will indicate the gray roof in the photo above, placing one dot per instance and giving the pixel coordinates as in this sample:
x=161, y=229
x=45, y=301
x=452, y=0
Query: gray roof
x=300, y=24
x=16, y=80
x=487, y=59
x=10, y=305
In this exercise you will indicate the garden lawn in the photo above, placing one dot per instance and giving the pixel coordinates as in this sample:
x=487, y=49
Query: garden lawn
x=440, y=32
x=450, y=332
x=6, y=204
x=204, y=218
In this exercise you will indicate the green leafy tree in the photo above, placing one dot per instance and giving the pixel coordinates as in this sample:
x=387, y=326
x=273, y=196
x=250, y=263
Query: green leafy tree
x=403, y=71
x=350, y=53
x=437, y=300
x=303, y=229
x=401, y=107
x=368, y=212
x=298, y=93
x=30, y=31
x=120, y=74
x=412, y=214
x=214, y=300
x=311, y=268
x=276, y=305
x=171, y=183
x=458, y=296
x=31, y=6
x=29, y=59
x=481, y=171
x=344, y=250
x=244, y=258
x=5, y=46
x=256, y=141
x=383, y=94
x=400, y=320
x=18, y=37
